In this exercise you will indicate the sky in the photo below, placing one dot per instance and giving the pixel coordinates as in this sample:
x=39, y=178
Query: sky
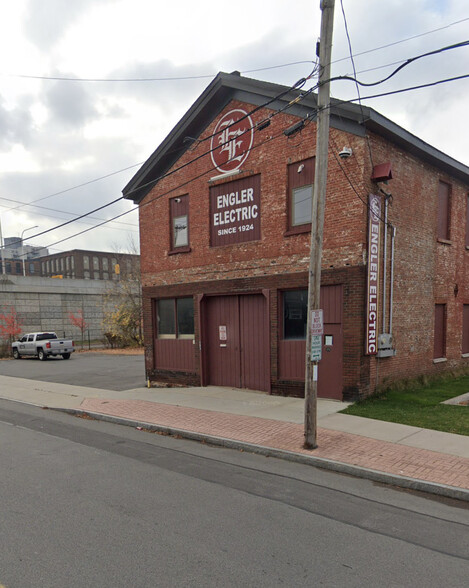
x=69, y=146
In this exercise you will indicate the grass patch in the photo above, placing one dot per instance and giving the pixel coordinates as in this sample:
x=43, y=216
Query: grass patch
x=419, y=406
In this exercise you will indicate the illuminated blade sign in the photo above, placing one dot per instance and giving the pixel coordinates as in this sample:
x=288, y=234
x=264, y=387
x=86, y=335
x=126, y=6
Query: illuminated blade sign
x=372, y=288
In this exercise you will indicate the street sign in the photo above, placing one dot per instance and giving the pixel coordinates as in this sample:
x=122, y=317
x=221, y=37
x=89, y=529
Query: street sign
x=317, y=331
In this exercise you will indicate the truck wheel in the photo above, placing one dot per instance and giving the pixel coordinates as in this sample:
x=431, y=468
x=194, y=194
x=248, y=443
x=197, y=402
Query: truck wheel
x=66, y=355
x=16, y=354
x=41, y=355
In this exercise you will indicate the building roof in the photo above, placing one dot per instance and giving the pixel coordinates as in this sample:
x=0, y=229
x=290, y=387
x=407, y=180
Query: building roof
x=225, y=87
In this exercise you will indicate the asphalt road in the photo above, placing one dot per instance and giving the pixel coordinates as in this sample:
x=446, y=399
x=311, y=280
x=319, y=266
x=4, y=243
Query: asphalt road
x=96, y=370
x=88, y=503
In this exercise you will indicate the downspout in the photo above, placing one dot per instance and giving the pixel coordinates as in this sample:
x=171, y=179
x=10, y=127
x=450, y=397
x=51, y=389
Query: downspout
x=391, y=290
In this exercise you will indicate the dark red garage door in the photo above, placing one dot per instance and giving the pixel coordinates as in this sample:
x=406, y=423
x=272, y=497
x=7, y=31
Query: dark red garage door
x=236, y=342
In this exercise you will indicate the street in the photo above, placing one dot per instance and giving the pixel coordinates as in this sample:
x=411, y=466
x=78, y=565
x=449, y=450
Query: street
x=89, y=503
x=95, y=370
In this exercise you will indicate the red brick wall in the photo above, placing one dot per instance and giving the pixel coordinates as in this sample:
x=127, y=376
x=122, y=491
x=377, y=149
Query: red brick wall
x=425, y=271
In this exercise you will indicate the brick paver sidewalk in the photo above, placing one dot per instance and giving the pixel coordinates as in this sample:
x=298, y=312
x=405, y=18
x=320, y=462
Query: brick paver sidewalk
x=351, y=449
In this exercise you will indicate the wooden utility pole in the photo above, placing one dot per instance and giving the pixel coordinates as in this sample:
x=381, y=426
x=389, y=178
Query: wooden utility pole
x=317, y=224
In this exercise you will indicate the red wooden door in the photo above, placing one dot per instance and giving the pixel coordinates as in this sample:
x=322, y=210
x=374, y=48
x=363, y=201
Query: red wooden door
x=330, y=372
x=255, y=344
x=222, y=341
x=236, y=346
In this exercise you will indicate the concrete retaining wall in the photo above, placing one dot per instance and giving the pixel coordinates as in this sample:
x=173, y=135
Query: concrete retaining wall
x=43, y=304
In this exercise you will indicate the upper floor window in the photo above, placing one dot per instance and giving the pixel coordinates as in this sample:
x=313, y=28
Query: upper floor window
x=179, y=217
x=300, y=195
x=86, y=262
x=95, y=263
x=444, y=211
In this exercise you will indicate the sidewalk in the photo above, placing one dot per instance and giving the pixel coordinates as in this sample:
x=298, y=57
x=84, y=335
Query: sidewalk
x=406, y=456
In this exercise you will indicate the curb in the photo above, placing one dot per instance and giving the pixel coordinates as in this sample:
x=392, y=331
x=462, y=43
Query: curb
x=319, y=462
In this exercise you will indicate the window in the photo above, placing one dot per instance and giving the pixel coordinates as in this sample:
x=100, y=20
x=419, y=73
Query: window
x=72, y=261
x=8, y=267
x=465, y=328
x=86, y=262
x=295, y=311
x=175, y=318
x=31, y=268
x=95, y=263
x=86, y=275
x=179, y=215
x=444, y=211
x=105, y=275
x=439, y=342
x=67, y=263
x=62, y=264
x=105, y=263
x=300, y=195
x=18, y=268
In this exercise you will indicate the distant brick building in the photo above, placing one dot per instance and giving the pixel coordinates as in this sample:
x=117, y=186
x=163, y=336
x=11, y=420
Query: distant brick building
x=225, y=219
x=90, y=265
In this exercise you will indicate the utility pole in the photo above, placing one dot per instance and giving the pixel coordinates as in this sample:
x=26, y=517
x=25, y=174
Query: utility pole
x=317, y=220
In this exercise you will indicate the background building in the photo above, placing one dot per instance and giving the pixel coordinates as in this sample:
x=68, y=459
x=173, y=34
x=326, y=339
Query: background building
x=74, y=264
x=90, y=265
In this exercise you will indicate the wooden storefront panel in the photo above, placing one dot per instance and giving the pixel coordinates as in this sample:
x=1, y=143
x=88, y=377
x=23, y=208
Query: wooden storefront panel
x=175, y=354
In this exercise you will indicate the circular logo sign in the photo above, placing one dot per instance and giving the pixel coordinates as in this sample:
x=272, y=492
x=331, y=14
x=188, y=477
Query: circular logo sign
x=232, y=141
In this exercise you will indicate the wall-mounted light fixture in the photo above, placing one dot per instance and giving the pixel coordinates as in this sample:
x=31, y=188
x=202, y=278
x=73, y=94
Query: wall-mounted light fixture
x=345, y=153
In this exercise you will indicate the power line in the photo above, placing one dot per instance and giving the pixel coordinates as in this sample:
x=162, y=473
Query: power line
x=302, y=81
x=336, y=103
x=59, y=211
x=207, y=76
x=355, y=76
x=87, y=183
x=254, y=147
x=405, y=64
x=403, y=40
x=159, y=196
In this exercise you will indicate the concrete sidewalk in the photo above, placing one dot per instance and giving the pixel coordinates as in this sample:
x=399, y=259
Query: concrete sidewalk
x=407, y=456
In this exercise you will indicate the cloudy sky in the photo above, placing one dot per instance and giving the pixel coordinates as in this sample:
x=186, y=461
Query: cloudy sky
x=69, y=146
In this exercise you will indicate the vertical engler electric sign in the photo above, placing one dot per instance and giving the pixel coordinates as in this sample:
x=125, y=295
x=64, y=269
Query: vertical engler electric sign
x=372, y=287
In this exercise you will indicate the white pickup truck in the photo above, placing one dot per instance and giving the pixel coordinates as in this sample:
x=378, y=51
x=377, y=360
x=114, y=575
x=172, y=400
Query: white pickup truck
x=42, y=345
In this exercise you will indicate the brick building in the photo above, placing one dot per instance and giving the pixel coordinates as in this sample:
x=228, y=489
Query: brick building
x=225, y=219
x=90, y=265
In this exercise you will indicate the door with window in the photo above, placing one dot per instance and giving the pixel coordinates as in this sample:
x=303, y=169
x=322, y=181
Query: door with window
x=236, y=343
x=293, y=306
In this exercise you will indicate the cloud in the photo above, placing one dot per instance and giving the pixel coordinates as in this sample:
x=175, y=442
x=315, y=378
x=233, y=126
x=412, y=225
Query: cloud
x=47, y=21
x=70, y=104
x=15, y=125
